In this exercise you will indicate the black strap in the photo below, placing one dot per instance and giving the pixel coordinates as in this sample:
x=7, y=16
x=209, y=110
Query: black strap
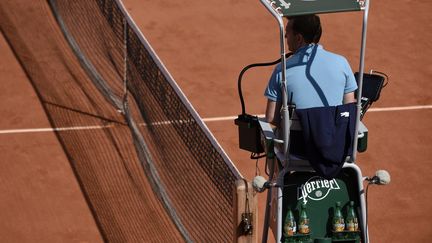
x=312, y=80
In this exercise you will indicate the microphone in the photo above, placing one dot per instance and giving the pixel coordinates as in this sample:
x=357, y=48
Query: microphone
x=259, y=183
x=382, y=177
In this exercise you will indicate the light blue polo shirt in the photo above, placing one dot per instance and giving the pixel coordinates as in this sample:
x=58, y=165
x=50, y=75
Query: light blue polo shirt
x=315, y=78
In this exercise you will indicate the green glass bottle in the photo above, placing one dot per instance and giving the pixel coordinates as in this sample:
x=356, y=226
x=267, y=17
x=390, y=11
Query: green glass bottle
x=304, y=221
x=351, y=219
x=338, y=219
x=290, y=226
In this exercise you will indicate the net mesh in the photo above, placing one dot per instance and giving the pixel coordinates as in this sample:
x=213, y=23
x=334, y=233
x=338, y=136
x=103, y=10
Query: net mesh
x=184, y=165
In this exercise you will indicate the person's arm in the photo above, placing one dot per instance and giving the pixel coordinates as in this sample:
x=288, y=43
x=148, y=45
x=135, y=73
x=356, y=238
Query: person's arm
x=272, y=92
x=272, y=112
x=349, y=98
x=350, y=85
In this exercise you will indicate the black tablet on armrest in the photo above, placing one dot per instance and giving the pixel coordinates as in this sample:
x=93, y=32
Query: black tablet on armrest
x=372, y=85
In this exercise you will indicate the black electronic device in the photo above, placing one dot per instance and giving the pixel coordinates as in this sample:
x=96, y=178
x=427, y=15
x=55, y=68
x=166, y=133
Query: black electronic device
x=249, y=133
x=373, y=83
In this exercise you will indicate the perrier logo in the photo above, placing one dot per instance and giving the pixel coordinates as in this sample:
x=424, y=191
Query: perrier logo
x=316, y=188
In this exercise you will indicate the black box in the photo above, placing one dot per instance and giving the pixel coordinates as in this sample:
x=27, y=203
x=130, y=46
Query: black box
x=249, y=133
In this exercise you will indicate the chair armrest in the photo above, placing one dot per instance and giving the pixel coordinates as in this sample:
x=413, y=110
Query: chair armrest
x=362, y=138
x=266, y=129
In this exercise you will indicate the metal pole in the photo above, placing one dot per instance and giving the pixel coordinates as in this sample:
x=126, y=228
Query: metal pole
x=360, y=82
x=362, y=199
x=286, y=122
x=284, y=109
x=271, y=164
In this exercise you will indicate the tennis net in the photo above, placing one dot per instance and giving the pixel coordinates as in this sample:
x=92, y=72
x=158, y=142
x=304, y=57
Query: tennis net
x=187, y=168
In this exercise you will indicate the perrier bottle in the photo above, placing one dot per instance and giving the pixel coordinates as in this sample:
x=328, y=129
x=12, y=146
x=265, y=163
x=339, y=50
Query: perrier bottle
x=290, y=226
x=338, y=219
x=351, y=219
x=303, y=221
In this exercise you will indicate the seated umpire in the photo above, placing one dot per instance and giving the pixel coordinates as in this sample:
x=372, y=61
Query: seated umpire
x=315, y=78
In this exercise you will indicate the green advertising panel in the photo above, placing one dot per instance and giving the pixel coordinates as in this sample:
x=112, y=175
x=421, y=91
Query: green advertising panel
x=319, y=197
x=301, y=7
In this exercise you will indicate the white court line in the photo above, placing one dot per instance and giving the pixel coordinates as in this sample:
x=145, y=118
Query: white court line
x=33, y=130
x=212, y=119
x=399, y=108
x=223, y=118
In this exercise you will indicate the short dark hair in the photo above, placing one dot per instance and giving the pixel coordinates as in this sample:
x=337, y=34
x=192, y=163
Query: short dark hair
x=309, y=26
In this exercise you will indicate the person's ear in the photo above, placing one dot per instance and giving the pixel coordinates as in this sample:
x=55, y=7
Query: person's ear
x=299, y=38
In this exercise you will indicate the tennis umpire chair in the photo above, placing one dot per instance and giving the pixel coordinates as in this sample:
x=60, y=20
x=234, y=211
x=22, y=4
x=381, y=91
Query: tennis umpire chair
x=294, y=181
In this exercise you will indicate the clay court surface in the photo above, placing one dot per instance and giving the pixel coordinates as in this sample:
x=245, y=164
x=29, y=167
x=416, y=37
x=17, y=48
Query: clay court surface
x=204, y=45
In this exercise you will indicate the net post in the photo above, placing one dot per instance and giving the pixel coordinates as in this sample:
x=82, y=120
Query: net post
x=245, y=202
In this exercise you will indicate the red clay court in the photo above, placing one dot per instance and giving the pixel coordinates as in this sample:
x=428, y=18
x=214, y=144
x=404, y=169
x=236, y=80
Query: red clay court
x=204, y=45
